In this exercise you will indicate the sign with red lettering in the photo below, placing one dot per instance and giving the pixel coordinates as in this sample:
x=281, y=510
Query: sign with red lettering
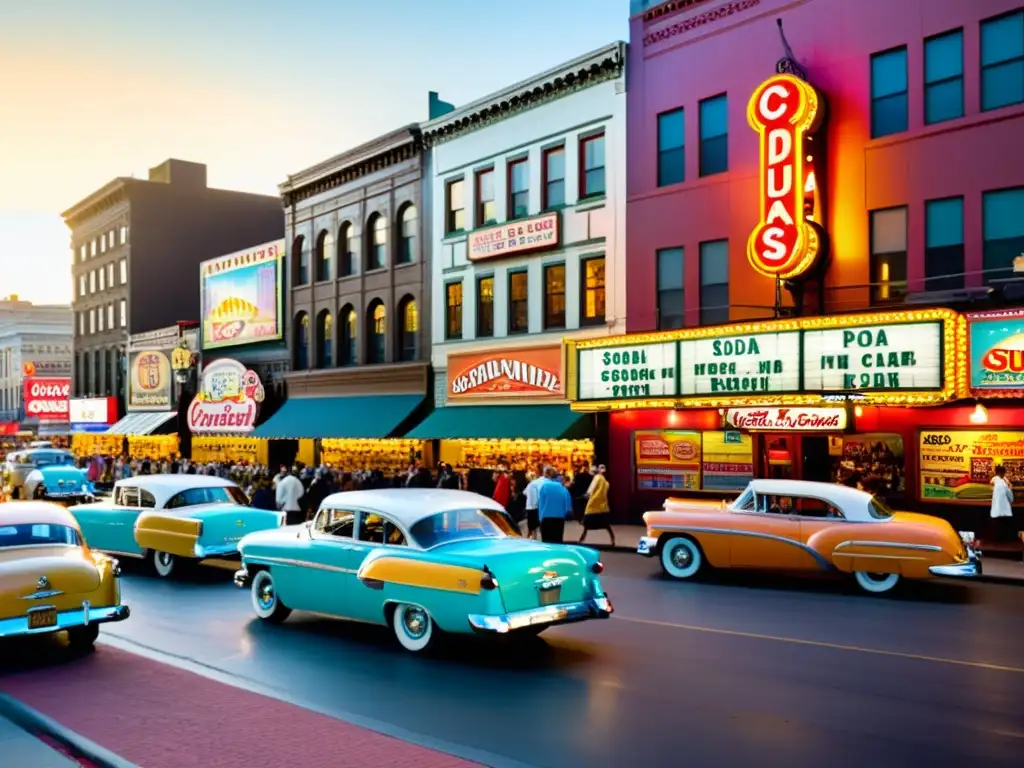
x=514, y=238
x=787, y=419
x=997, y=353
x=786, y=243
x=228, y=400
x=46, y=399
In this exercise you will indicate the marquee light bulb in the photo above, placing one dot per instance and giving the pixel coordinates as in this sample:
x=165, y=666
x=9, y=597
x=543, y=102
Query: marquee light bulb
x=980, y=415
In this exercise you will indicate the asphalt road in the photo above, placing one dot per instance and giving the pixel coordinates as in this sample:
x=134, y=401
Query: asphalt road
x=741, y=670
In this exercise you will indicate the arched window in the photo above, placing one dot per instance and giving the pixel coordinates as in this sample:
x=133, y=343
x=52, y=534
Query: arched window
x=376, y=332
x=377, y=241
x=349, y=335
x=300, y=353
x=346, y=262
x=408, y=330
x=324, y=255
x=407, y=225
x=300, y=261
x=324, y=339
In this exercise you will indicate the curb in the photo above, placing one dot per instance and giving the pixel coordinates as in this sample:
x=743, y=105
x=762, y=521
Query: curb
x=39, y=724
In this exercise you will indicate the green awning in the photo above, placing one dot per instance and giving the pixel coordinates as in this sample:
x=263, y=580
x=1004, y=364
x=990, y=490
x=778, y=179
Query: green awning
x=367, y=416
x=527, y=422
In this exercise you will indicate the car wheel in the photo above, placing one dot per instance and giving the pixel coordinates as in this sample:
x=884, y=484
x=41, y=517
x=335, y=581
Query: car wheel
x=876, y=583
x=265, y=600
x=83, y=638
x=681, y=558
x=164, y=564
x=413, y=627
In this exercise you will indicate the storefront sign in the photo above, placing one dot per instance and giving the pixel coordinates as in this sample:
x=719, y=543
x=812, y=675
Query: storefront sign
x=786, y=419
x=46, y=399
x=9, y=428
x=899, y=356
x=958, y=465
x=636, y=371
x=514, y=238
x=149, y=381
x=997, y=353
x=736, y=365
x=242, y=295
x=668, y=461
x=93, y=414
x=783, y=110
x=532, y=372
x=228, y=399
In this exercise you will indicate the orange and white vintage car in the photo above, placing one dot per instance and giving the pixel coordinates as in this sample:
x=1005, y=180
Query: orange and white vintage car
x=794, y=525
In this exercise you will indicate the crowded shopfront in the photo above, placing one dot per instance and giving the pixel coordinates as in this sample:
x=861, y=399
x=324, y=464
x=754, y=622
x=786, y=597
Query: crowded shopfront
x=90, y=419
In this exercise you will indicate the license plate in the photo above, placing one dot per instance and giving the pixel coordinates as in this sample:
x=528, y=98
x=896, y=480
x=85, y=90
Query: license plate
x=44, y=618
x=550, y=596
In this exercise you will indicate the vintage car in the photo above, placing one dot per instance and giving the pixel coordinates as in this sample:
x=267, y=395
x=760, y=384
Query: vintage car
x=422, y=561
x=806, y=526
x=49, y=579
x=167, y=518
x=47, y=474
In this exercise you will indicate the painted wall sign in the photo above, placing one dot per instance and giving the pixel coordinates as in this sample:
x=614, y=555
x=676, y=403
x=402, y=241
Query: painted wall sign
x=997, y=353
x=531, y=372
x=617, y=373
x=228, y=399
x=149, y=381
x=958, y=465
x=514, y=238
x=242, y=296
x=784, y=110
x=786, y=419
x=736, y=365
x=46, y=399
x=667, y=460
x=902, y=356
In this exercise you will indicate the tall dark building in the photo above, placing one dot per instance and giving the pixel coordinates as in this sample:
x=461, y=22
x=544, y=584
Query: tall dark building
x=137, y=247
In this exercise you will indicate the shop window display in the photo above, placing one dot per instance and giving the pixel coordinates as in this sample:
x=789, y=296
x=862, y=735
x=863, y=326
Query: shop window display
x=676, y=460
x=87, y=444
x=152, y=446
x=390, y=456
x=876, y=462
x=517, y=455
x=250, y=450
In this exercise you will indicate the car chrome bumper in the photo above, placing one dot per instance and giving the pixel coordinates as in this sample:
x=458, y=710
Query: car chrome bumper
x=564, y=613
x=80, y=617
x=647, y=546
x=221, y=552
x=242, y=578
x=960, y=570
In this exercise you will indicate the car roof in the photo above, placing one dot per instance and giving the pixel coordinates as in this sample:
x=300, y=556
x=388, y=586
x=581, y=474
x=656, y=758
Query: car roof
x=175, y=483
x=409, y=505
x=35, y=513
x=846, y=498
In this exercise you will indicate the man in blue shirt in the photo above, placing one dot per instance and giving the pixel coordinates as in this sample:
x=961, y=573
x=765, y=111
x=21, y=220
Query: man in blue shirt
x=554, y=506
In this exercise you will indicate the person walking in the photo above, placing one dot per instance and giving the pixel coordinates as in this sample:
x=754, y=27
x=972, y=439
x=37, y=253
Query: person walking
x=1002, y=506
x=289, y=496
x=533, y=484
x=554, y=507
x=502, y=492
x=597, y=515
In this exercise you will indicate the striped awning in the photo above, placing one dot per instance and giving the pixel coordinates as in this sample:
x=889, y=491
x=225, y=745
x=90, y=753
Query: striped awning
x=141, y=423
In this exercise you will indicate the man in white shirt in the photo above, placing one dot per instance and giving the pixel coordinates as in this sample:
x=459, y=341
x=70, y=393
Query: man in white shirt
x=532, y=515
x=289, y=493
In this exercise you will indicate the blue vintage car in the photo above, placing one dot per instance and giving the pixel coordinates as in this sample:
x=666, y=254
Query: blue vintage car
x=46, y=473
x=421, y=562
x=169, y=518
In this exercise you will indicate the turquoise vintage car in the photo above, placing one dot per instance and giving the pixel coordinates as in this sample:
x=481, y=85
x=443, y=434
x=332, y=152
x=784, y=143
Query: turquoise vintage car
x=48, y=474
x=172, y=518
x=421, y=561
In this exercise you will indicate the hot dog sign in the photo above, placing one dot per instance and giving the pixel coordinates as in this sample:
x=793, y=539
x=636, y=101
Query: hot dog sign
x=228, y=400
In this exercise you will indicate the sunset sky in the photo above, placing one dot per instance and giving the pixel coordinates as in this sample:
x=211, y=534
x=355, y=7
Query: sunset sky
x=256, y=89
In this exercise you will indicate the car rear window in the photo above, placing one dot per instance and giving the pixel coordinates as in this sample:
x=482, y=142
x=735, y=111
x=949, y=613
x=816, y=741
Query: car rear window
x=456, y=524
x=31, y=534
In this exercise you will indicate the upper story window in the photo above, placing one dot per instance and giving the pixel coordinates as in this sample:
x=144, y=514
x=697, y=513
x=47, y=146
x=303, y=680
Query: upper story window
x=1003, y=231
x=486, y=207
x=453, y=310
x=408, y=330
x=889, y=92
x=407, y=224
x=592, y=181
x=110, y=275
x=113, y=238
x=300, y=349
x=81, y=323
x=518, y=302
x=714, y=135
x=455, y=206
x=92, y=247
x=714, y=282
x=347, y=350
x=123, y=269
x=592, y=293
x=554, y=297
x=485, y=307
x=518, y=189
x=944, y=77
x=124, y=313
x=324, y=255
x=110, y=316
x=92, y=321
x=103, y=278
x=300, y=257
x=92, y=281
x=83, y=251
x=888, y=255
x=124, y=235
x=103, y=243
x=81, y=285
x=377, y=250
x=671, y=148
x=324, y=339
x=944, y=244
x=346, y=259
x=1002, y=61
x=99, y=319
x=553, y=170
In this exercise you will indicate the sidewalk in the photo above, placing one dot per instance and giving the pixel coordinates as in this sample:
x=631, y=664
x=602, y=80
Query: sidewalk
x=160, y=716
x=21, y=748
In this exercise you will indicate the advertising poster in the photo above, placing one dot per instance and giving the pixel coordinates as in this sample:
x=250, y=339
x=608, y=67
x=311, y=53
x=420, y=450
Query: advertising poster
x=241, y=296
x=667, y=460
x=958, y=465
x=997, y=354
x=534, y=372
x=150, y=386
x=728, y=461
x=878, y=459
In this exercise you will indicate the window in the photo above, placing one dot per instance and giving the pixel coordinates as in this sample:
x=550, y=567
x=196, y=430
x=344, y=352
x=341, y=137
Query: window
x=1002, y=61
x=349, y=335
x=378, y=333
x=300, y=257
x=113, y=237
x=82, y=252
x=92, y=281
x=518, y=302
x=324, y=339
x=453, y=310
x=337, y=523
x=888, y=255
x=486, y=207
x=124, y=235
x=374, y=529
x=554, y=178
x=1003, y=228
x=124, y=313
x=376, y=253
x=671, y=148
x=301, y=350
x=944, y=244
x=714, y=282
x=99, y=319
x=110, y=316
x=485, y=307
x=554, y=297
x=944, y=77
x=592, y=165
x=518, y=189
x=408, y=330
x=110, y=275
x=81, y=285
x=324, y=255
x=103, y=279
x=103, y=243
x=714, y=135
x=347, y=262
x=592, y=305
x=124, y=271
x=455, y=206
x=889, y=92
x=407, y=223
x=81, y=323
x=92, y=248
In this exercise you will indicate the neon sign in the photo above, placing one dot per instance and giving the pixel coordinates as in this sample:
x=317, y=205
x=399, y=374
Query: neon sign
x=786, y=243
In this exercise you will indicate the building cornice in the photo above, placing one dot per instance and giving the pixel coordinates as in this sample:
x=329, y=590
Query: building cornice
x=664, y=9
x=596, y=67
x=108, y=195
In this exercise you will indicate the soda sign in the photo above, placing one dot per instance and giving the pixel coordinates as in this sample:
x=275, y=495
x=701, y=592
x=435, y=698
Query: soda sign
x=47, y=399
x=228, y=400
x=784, y=110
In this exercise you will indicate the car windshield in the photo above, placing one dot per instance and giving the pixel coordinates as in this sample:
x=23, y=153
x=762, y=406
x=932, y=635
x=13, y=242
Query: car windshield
x=34, y=534
x=227, y=494
x=879, y=509
x=456, y=524
x=47, y=459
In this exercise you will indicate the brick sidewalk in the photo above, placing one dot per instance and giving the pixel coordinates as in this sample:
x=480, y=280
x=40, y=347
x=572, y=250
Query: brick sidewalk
x=159, y=716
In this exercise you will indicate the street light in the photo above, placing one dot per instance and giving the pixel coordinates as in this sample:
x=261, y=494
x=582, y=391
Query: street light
x=183, y=361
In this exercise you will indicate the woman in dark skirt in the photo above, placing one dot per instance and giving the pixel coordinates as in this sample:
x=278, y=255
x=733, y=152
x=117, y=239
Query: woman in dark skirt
x=597, y=515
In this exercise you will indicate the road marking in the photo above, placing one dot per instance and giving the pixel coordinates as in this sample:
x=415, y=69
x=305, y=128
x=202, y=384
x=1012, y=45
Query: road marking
x=823, y=644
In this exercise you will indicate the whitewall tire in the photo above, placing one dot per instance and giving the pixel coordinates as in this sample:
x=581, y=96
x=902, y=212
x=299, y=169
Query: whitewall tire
x=413, y=627
x=876, y=583
x=265, y=600
x=681, y=558
x=164, y=564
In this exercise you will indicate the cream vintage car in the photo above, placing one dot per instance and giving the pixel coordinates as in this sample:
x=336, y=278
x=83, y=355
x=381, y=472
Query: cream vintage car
x=795, y=525
x=50, y=581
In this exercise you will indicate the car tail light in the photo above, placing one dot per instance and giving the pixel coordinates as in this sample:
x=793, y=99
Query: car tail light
x=597, y=567
x=488, y=581
x=199, y=528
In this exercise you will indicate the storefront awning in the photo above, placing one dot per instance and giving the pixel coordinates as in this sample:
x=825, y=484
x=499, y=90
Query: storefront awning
x=141, y=423
x=365, y=416
x=527, y=422
x=53, y=428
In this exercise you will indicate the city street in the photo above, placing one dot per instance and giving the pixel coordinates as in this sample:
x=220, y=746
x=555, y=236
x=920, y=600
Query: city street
x=742, y=669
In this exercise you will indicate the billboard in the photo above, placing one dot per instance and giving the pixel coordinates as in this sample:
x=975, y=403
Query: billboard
x=228, y=400
x=241, y=296
x=93, y=414
x=150, y=386
x=535, y=372
x=46, y=398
